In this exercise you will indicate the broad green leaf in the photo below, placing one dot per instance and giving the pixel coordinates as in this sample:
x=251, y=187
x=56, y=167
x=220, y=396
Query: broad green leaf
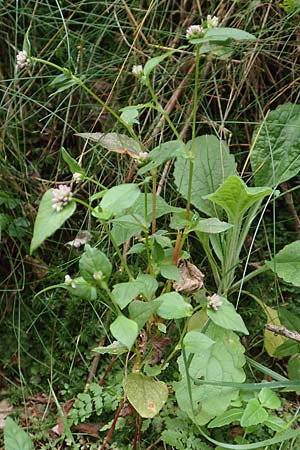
x=269, y=399
x=162, y=207
x=197, y=321
x=49, y=220
x=130, y=116
x=124, y=293
x=27, y=43
x=212, y=165
x=149, y=284
x=254, y=414
x=286, y=264
x=173, y=306
x=72, y=163
x=146, y=395
x=275, y=423
x=275, y=156
x=228, y=417
x=120, y=198
x=93, y=263
x=271, y=340
x=289, y=320
x=288, y=348
x=196, y=342
x=153, y=62
x=170, y=272
x=211, y=226
x=15, y=438
x=82, y=289
x=224, y=34
x=115, y=142
x=161, y=154
x=294, y=367
x=227, y=317
x=115, y=348
x=223, y=361
x=124, y=330
x=126, y=227
x=236, y=197
x=141, y=312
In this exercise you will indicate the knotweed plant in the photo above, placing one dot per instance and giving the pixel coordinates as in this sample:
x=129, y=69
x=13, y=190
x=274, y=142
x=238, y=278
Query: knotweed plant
x=170, y=292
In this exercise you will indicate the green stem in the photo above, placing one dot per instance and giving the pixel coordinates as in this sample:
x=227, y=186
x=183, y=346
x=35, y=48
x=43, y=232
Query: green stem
x=154, y=178
x=163, y=112
x=123, y=262
x=231, y=256
x=194, y=121
x=104, y=286
x=80, y=83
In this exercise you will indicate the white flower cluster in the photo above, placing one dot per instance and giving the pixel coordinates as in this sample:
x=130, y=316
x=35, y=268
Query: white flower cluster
x=61, y=197
x=197, y=31
x=194, y=32
x=22, y=59
x=77, y=177
x=212, y=21
x=137, y=70
x=214, y=302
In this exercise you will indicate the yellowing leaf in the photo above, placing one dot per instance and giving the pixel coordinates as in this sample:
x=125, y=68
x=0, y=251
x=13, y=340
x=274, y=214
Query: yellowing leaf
x=145, y=394
x=272, y=341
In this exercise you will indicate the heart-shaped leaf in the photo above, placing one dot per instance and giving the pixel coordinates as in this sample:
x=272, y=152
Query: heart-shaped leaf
x=146, y=395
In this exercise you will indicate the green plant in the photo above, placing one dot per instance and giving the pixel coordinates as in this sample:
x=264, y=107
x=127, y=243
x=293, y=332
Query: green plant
x=210, y=346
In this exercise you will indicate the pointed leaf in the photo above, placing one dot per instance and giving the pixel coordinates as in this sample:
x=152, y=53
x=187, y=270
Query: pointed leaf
x=124, y=293
x=119, y=198
x=124, y=330
x=196, y=342
x=141, y=312
x=159, y=155
x=228, y=417
x=211, y=226
x=269, y=399
x=227, y=317
x=254, y=414
x=275, y=157
x=236, y=197
x=49, y=220
x=212, y=165
x=153, y=62
x=115, y=142
x=146, y=395
x=15, y=438
x=126, y=227
x=224, y=34
x=173, y=306
x=72, y=163
x=115, y=348
x=286, y=264
x=289, y=320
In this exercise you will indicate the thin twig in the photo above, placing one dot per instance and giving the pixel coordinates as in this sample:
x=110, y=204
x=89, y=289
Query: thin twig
x=279, y=329
x=113, y=425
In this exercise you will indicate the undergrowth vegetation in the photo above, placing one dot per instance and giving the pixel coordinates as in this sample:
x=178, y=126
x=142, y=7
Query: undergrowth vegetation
x=149, y=220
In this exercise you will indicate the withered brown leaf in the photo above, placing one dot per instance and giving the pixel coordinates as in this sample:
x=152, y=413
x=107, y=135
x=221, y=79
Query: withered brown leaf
x=191, y=278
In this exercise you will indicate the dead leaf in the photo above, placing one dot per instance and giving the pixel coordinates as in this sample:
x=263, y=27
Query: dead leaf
x=159, y=345
x=115, y=142
x=81, y=238
x=5, y=409
x=191, y=278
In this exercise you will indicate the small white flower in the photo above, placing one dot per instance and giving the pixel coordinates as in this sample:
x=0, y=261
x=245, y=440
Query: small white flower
x=22, y=59
x=61, y=197
x=69, y=281
x=143, y=156
x=137, y=70
x=212, y=21
x=77, y=177
x=194, y=32
x=98, y=276
x=214, y=302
